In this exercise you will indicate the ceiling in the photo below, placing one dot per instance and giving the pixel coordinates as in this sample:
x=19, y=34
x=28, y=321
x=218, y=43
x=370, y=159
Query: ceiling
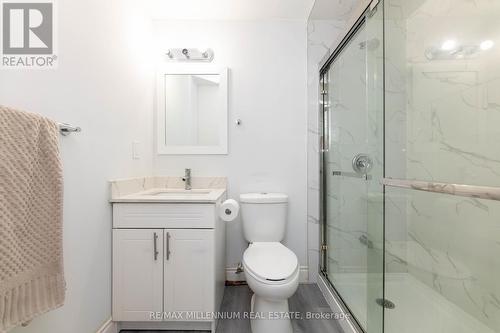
x=229, y=9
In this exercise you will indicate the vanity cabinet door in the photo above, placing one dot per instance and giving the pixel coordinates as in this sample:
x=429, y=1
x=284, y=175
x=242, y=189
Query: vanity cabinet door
x=137, y=273
x=189, y=271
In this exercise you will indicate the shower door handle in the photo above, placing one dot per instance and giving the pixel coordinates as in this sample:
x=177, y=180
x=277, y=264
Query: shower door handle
x=351, y=175
x=361, y=164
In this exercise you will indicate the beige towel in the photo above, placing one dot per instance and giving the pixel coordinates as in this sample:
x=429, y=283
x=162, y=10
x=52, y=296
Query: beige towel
x=31, y=261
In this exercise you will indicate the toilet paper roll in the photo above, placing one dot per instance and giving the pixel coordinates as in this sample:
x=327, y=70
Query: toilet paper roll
x=229, y=210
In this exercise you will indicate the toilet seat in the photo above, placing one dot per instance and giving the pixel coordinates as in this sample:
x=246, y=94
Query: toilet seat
x=270, y=262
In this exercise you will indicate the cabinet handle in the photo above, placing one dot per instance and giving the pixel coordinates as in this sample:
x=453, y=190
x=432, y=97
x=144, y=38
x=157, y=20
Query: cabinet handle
x=168, y=245
x=155, y=240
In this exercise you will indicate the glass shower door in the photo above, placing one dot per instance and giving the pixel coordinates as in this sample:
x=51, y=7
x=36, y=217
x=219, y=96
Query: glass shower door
x=442, y=129
x=352, y=171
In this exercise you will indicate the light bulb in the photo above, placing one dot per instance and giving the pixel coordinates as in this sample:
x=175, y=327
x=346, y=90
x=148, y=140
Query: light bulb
x=449, y=45
x=486, y=44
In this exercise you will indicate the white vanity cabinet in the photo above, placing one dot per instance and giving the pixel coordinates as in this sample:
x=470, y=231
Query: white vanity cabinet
x=137, y=274
x=168, y=258
x=186, y=270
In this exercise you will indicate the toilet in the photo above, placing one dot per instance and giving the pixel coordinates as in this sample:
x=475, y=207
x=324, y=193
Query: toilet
x=271, y=269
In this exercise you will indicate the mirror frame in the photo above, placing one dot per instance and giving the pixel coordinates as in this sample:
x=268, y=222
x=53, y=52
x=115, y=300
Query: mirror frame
x=162, y=147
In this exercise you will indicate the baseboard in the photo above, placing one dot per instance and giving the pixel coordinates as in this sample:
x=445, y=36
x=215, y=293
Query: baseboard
x=235, y=283
x=108, y=327
x=232, y=276
x=348, y=325
x=304, y=274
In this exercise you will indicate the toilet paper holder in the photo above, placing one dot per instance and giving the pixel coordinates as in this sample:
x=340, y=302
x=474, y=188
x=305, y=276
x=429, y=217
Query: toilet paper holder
x=229, y=210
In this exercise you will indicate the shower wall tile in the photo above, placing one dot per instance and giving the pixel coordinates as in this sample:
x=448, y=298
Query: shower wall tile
x=347, y=234
x=351, y=133
x=396, y=232
x=451, y=246
x=452, y=112
x=396, y=136
x=395, y=96
x=321, y=34
x=453, y=129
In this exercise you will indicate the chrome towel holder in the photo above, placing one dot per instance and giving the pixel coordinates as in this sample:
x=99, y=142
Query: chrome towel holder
x=67, y=129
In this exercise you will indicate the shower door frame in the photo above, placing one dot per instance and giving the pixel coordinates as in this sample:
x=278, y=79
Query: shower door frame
x=366, y=8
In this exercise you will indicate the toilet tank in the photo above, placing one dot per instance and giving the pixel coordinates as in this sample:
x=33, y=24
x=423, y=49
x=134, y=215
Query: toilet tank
x=264, y=216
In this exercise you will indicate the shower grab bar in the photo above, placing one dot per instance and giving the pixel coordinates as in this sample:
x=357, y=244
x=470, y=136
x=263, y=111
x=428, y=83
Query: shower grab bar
x=471, y=191
x=352, y=175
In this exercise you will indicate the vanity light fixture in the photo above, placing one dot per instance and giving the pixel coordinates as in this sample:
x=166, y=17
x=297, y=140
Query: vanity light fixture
x=190, y=54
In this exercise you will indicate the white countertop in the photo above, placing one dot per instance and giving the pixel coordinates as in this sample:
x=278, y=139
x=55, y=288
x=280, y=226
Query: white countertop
x=173, y=195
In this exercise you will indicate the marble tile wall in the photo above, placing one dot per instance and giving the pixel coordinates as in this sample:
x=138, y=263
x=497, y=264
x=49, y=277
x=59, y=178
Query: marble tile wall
x=346, y=197
x=354, y=205
x=396, y=160
x=321, y=34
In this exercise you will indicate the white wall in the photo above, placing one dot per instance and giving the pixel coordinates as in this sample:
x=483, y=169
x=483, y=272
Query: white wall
x=267, y=90
x=103, y=84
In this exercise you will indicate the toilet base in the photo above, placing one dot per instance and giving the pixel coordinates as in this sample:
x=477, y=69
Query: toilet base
x=270, y=316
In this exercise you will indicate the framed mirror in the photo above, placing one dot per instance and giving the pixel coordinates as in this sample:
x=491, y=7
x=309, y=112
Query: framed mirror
x=192, y=111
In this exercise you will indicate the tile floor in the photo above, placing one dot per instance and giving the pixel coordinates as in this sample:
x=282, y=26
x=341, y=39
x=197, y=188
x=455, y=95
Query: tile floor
x=308, y=298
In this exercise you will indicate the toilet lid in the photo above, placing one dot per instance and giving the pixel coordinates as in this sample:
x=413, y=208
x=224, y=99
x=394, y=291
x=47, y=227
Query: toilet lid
x=270, y=261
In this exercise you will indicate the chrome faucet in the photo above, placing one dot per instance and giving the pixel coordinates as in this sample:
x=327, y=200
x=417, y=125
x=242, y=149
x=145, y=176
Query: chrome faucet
x=187, y=179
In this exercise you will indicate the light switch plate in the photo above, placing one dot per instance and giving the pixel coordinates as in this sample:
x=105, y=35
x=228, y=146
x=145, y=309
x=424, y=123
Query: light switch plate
x=136, y=150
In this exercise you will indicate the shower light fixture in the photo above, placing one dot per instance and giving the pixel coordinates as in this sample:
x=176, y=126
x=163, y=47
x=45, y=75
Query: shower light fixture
x=449, y=45
x=486, y=44
x=451, y=49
